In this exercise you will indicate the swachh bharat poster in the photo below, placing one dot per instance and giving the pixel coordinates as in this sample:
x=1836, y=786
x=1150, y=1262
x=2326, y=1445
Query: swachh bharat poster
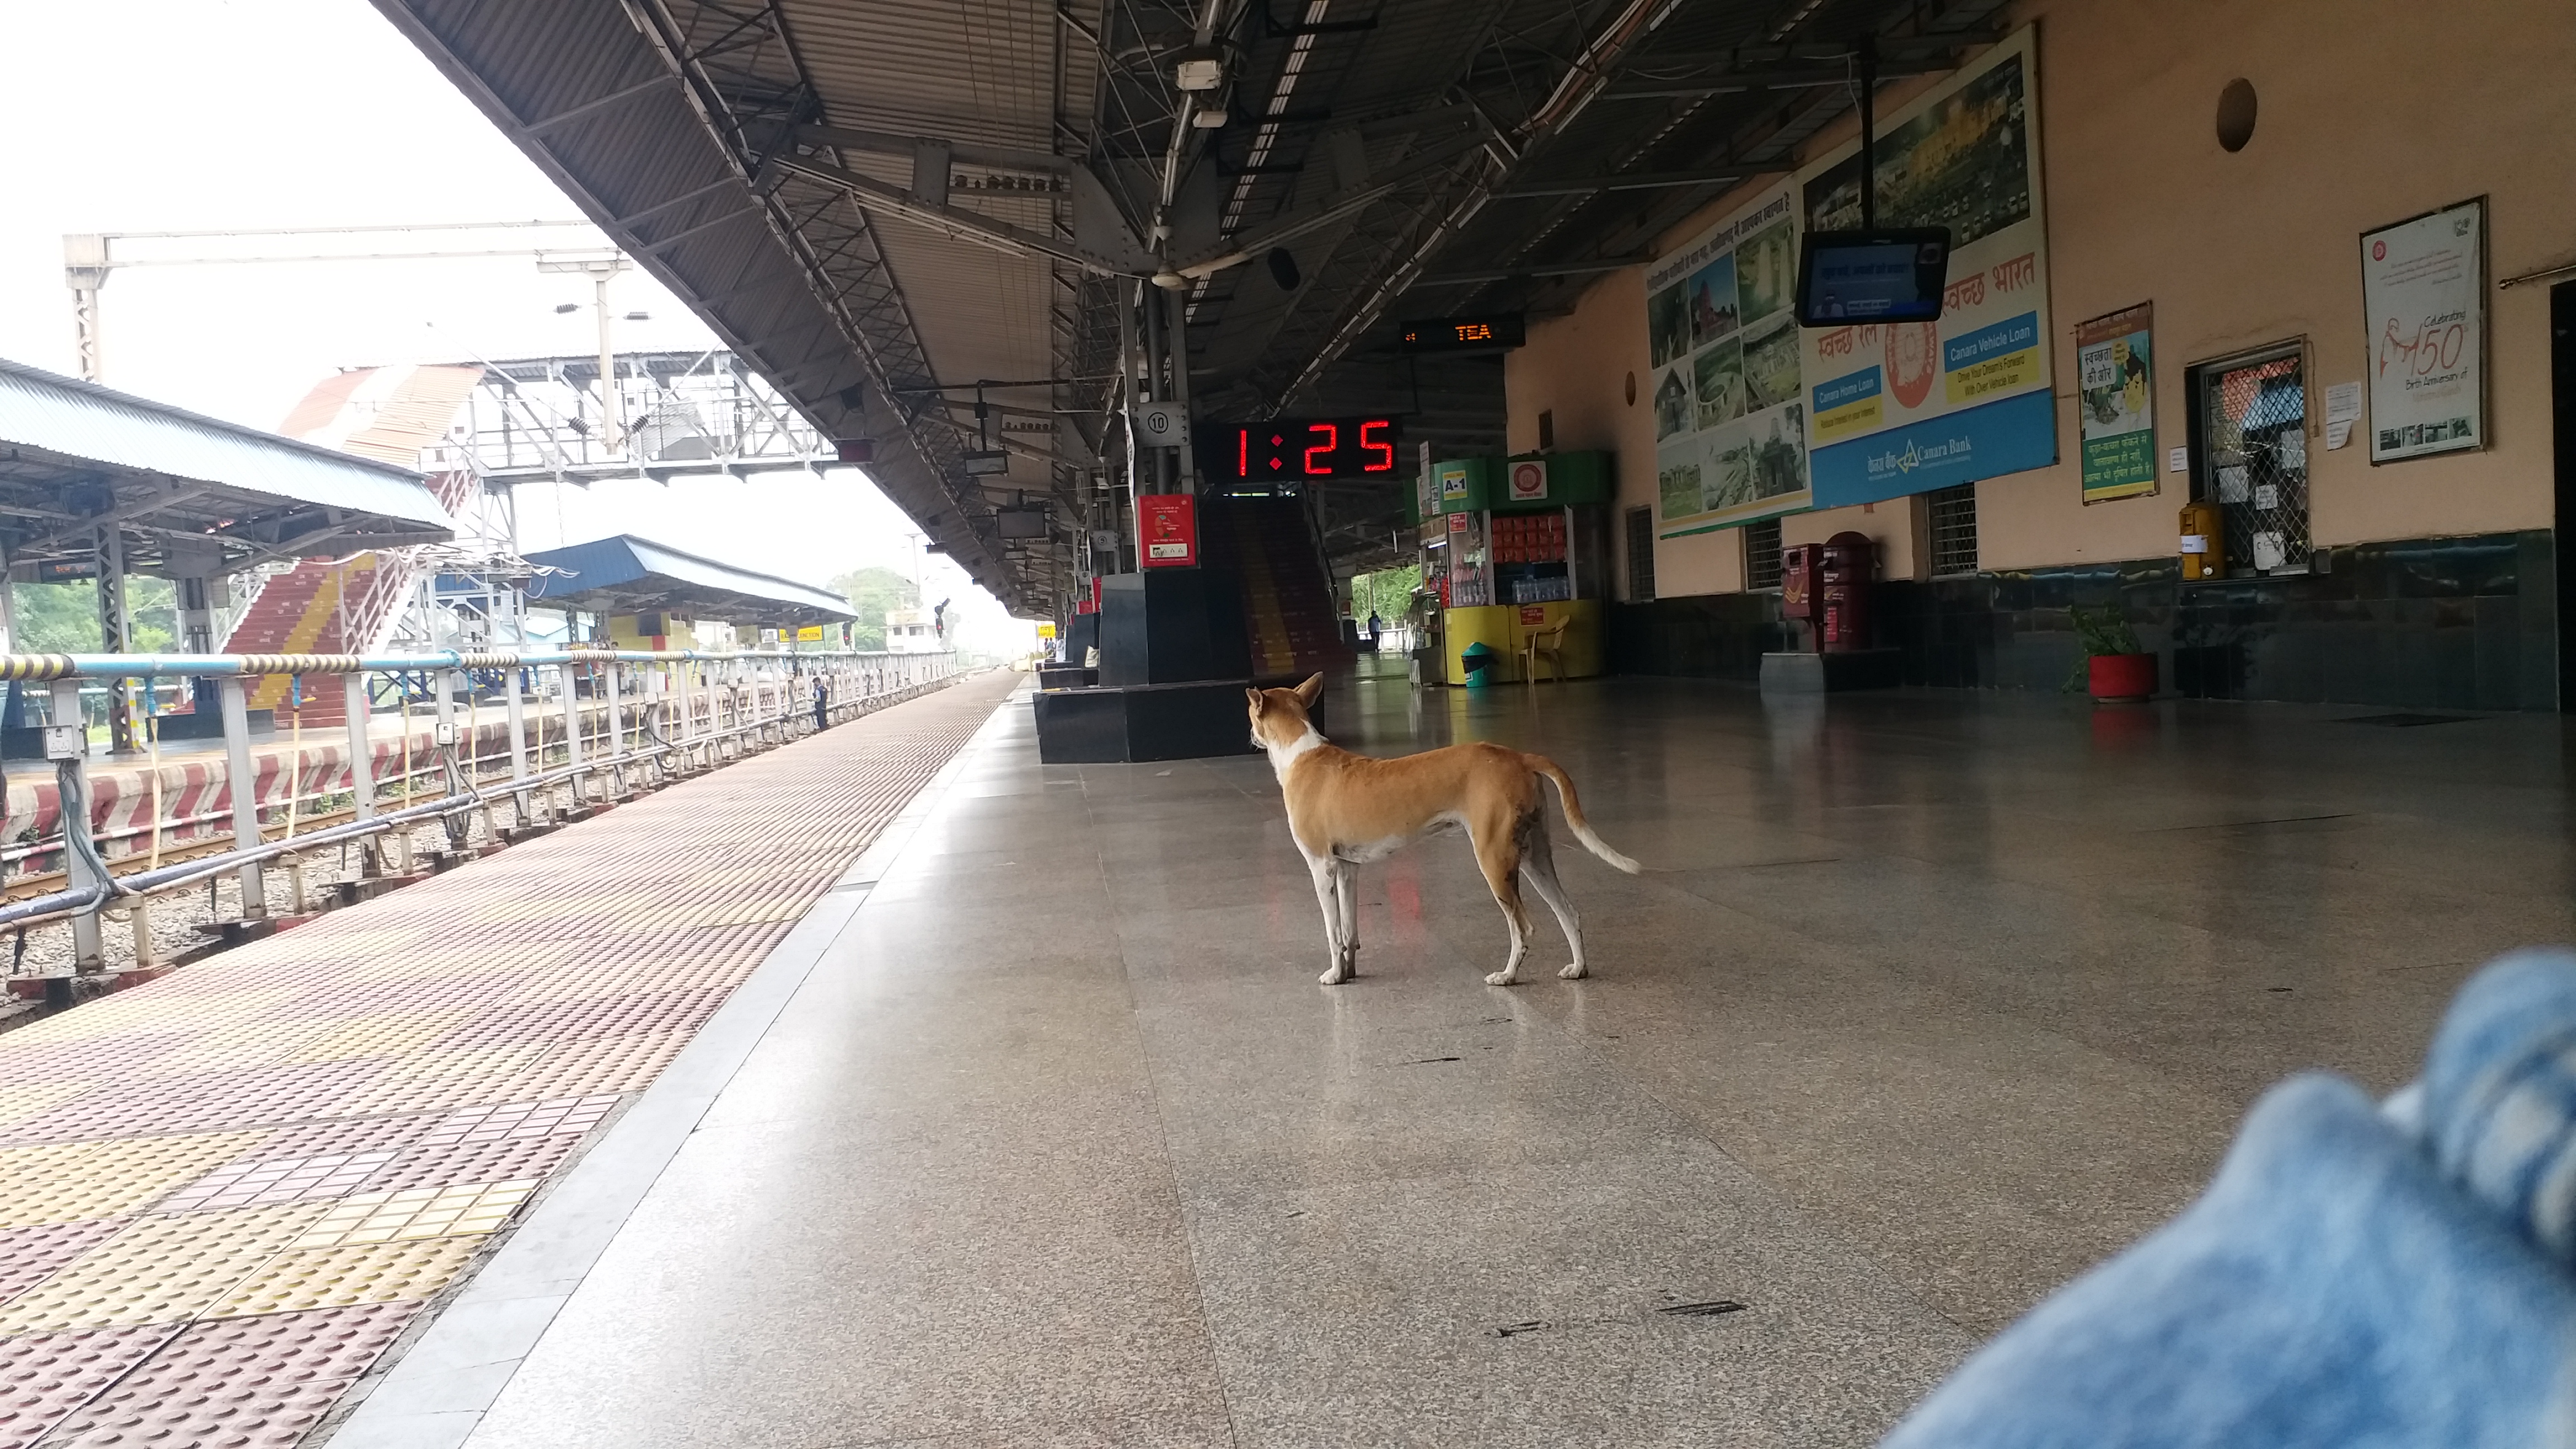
x=1887, y=409
x=1722, y=339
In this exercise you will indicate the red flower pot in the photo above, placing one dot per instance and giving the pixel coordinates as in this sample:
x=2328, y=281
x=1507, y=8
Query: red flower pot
x=2122, y=678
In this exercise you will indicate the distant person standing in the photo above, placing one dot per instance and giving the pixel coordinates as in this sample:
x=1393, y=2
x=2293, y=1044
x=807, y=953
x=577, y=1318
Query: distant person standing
x=1377, y=627
x=822, y=703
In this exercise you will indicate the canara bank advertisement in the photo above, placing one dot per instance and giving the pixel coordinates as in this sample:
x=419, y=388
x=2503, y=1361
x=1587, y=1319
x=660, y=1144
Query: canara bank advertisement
x=1722, y=338
x=1904, y=408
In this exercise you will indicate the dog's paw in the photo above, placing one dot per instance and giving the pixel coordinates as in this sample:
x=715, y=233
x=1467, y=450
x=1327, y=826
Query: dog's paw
x=1334, y=977
x=1572, y=971
x=1501, y=978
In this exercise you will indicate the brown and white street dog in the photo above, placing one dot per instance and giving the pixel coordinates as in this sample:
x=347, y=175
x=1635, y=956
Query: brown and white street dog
x=1347, y=810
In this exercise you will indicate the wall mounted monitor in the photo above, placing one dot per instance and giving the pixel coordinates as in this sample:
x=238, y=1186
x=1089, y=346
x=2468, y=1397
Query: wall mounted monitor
x=1894, y=274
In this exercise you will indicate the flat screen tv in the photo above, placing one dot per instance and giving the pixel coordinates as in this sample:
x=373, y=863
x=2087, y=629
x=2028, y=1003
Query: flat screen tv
x=1889, y=275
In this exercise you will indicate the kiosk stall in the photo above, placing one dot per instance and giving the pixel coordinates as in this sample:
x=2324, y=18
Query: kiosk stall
x=1527, y=550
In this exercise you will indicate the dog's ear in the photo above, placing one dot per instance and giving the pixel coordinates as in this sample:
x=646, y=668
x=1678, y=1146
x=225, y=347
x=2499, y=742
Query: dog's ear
x=1310, y=690
x=1255, y=696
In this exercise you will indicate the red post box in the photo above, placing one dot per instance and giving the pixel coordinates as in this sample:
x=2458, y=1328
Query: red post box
x=1849, y=568
x=1801, y=564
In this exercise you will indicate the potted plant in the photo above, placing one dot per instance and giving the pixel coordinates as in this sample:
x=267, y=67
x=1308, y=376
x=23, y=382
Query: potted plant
x=2116, y=668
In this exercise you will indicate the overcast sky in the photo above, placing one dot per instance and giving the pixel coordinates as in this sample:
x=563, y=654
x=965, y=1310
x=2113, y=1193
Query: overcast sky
x=189, y=115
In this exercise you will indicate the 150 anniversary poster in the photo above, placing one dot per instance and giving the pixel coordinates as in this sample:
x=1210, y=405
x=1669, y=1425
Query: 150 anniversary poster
x=1722, y=339
x=1756, y=416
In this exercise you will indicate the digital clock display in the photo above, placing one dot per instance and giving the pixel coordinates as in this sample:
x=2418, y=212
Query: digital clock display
x=1286, y=448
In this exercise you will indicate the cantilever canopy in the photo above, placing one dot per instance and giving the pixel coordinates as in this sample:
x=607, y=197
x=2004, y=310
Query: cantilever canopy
x=629, y=575
x=189, y=494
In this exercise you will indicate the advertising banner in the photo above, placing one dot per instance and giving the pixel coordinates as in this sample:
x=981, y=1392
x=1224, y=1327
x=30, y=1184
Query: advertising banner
x=1730, y=416
x=2115, y=403
x=1167, y=525
x=2423, y=293
x=1909, y=407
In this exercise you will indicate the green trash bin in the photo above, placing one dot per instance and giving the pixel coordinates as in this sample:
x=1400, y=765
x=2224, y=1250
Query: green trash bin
x=1480, y=664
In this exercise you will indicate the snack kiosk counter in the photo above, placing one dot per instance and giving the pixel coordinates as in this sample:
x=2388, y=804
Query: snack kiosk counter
x=1528, y=549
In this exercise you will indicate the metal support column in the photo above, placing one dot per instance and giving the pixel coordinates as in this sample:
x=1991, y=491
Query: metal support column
x=245, y=793
x=116, y=635
x=89, y=948
x=362, y=768
x=518, y=717
x=566, y=682
x=616, y=729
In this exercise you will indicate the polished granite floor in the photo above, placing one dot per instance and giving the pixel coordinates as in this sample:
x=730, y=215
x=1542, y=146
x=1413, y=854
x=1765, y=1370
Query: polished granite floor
x=1929, y=1000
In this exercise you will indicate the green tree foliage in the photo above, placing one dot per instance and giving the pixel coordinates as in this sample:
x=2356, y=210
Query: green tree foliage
x=872, y=591
x=63, y=618
x=1388, y=591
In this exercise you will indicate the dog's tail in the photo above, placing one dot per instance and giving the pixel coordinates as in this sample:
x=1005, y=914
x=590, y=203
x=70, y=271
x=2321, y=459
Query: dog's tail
x=1574, y=815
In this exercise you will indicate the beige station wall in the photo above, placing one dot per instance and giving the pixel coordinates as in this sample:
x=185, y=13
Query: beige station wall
x=2369, y=112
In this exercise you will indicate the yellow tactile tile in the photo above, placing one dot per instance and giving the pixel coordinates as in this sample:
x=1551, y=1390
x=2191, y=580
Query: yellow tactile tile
x=258, y=1042
x=73, y=1182
x=382, y=1034
x=773, y=908
x=359, y=1273
x=433, y=1080
x=160, y=1270
x=425, y=1212
x=601, y=1065
x=26, y=1099
x=141, y=1013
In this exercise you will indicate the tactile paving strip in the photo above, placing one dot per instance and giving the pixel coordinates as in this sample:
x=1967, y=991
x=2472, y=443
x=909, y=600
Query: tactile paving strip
x=514, y=1159
x=239, y=1381
x=456, y=1040
x=341, y=1134
x=51, y=1374
x=275, y=1180
x=421, y=1212
x=520, y=1119
x=159, y=1270
x=358, y=1273
x=30, y=1255
x=202, y=1100
x=69, y=1182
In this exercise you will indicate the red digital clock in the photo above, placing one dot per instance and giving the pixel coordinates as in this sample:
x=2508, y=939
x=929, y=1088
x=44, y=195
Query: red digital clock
x=1285, y=448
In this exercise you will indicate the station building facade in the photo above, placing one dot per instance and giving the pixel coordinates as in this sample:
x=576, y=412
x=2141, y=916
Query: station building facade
x=2208, y=184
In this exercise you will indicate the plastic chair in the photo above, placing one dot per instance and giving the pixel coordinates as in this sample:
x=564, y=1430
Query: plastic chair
x=1547, y=644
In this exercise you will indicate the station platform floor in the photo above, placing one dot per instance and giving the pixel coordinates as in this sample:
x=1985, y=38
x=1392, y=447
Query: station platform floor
x=1038, y=1130
x=228, y=1195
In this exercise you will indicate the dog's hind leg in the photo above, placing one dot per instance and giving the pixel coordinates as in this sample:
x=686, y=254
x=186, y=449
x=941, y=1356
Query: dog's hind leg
x=1327, y=873
x=1538, y=865
x=1498, y=854
x=1346, y=894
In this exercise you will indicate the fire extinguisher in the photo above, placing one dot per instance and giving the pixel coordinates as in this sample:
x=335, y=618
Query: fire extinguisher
x=2204, y=555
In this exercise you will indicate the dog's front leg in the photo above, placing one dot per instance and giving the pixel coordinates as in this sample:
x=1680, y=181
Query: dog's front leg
x=1326, y=872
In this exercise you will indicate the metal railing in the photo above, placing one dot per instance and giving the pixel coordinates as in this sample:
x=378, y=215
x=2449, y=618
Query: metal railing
x=620, y=712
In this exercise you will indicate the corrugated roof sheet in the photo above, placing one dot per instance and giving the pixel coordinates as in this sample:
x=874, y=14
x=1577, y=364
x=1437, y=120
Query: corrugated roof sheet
x=385, y=413
x=627, y=572
x=79, y=420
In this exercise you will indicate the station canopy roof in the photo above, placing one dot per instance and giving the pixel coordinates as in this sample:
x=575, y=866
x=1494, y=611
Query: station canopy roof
x=882, y=205
x=190, y=495
x=629, y=575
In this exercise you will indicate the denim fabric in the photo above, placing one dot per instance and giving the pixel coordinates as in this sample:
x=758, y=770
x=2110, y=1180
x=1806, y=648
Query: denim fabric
x=2350, y=1279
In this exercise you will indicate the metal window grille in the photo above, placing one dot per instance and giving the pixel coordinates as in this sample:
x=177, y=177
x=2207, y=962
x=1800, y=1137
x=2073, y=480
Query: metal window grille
x=1641, y=555
x=2253, y=463
x=1954, y=530
x=1762, y=554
